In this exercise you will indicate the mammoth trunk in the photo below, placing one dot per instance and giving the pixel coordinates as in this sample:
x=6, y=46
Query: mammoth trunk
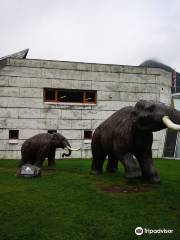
x=69, y=148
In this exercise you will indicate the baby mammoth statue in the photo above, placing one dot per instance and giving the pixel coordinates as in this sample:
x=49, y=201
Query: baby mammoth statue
x=128, y=133
x=35, y=149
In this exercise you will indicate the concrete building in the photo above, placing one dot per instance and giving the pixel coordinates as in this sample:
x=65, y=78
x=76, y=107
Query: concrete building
x=72, y=98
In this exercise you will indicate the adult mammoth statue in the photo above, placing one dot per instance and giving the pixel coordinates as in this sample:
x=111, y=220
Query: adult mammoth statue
x=128, y=132
x=35, y=149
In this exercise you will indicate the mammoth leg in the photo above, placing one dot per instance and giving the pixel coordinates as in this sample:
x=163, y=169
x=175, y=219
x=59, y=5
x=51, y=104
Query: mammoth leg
x=112, y=165
x=148, y=171
x=39, y=162
x=22, y=162
x=40, y=157
x=51, y=160
x=98, y=160
x=132, y=169
x=26, y=158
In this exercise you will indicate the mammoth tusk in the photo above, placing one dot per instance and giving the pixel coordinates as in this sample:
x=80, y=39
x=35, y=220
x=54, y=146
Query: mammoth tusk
x=166, y=120
x=72, y=149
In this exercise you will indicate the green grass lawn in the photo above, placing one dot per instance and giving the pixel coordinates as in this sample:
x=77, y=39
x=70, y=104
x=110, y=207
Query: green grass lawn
x=70, y=204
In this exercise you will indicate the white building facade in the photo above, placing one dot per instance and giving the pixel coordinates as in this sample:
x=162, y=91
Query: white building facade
x=71, y=98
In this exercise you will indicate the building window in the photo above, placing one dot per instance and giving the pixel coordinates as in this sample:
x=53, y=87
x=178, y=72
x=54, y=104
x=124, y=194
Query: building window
x=51, y=131
x=50, y=95
x=70, y=96
x=87, y=134
x=13, y=134
x=90, y=97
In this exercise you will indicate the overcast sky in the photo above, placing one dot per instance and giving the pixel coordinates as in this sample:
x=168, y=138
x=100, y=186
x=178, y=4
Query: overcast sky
x=124, y=32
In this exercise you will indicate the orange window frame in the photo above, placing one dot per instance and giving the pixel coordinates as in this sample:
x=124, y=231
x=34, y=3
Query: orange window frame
x=83, y=91
x=50, y=89
x=85, y=96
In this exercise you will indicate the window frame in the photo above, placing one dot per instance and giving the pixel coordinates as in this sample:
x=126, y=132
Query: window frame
x=44, y=94
x=84, y=99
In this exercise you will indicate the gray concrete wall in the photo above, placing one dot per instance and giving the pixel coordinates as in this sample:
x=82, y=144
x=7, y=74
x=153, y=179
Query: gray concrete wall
x=22, y=107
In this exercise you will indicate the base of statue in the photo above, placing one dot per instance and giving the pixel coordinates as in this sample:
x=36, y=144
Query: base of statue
x=28, y=171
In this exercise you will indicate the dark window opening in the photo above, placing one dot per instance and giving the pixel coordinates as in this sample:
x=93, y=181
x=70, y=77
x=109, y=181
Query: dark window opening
x=49, y=95
x=13, y=134
x=51, y=131
x=87, y=134
x=70, y=96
